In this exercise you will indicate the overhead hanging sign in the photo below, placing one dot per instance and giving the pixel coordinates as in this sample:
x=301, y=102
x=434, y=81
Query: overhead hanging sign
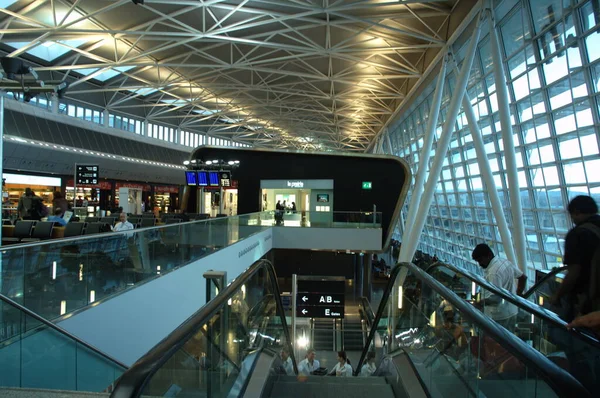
x=86, y=174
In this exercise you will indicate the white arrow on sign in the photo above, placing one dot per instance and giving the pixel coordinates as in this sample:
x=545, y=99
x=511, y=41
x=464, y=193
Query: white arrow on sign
x=304, y=312
x=304, y=298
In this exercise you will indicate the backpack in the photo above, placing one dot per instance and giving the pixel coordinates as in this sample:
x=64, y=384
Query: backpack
x=590, y=301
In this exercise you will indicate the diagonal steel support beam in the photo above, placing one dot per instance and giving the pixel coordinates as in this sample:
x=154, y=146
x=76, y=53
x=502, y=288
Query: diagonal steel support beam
x=509, y=146
x=408, y=248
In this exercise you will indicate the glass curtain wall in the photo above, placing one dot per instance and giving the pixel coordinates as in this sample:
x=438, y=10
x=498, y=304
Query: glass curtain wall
x=551, y=51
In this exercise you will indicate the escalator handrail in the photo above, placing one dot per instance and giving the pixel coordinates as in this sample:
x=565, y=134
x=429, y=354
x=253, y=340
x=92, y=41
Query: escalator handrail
x=520, y=302
x=61, y=331
x=368, y=310
x=133, y=381
x=563, y=383
x=551, y=274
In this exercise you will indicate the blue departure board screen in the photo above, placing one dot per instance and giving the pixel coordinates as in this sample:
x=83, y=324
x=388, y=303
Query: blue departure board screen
x=213, y=178
x=190, y=178
x=202, y=179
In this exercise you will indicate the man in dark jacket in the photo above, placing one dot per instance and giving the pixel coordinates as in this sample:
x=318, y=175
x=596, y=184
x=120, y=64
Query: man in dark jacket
x=580, y=245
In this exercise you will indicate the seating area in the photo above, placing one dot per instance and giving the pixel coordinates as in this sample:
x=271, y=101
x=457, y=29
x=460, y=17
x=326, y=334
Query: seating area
x=24, y=231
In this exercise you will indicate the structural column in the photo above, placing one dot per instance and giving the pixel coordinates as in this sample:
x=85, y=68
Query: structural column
x=389, y=142
x=509, y=147
x=54, y=102
x=105, y=116
x=1, y=164
x=442, y=146
x=488, y=179
x=415, y=198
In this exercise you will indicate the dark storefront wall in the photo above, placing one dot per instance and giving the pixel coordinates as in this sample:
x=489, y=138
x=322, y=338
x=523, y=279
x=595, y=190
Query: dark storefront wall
x=388, y=177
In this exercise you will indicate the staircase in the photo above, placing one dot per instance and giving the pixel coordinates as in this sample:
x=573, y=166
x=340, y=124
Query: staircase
x=324, y=386
x=323, y=335
x=353, y=335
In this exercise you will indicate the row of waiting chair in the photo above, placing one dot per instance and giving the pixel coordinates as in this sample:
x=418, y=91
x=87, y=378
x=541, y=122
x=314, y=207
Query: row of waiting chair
x=33, y=231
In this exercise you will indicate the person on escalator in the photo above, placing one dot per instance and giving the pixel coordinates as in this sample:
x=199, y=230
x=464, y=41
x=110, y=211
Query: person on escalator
x=501, y=273
x=581, y=287
x=286, y=360
x=343, y=367
x=309, y=364
x=369, y=368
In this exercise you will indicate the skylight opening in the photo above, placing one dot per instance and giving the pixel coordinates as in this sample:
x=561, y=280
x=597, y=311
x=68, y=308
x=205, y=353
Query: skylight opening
x=50, y=50
x=104, y=76
x=144, y=91
x=6, y=3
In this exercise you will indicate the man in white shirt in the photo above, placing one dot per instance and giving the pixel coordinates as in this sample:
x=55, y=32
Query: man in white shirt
x=501, y=273
x=308, y=365
x=123, y=224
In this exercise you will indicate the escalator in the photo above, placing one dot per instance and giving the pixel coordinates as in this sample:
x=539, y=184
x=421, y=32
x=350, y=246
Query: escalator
x=463, y=355
x=575, y=350
x=37, y=354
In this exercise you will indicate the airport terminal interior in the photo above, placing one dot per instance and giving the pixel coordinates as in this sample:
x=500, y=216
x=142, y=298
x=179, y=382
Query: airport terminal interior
x=282, y=198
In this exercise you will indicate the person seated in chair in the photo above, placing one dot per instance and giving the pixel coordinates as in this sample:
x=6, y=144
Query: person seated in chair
x=123, y=224
x=57, y=217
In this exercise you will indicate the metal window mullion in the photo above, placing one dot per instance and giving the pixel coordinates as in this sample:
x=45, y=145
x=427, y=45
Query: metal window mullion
x=550, y=119
x=587, y=72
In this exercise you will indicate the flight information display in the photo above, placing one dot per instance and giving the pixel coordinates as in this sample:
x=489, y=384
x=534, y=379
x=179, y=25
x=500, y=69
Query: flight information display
x=202, y=179
x=213, y=178
x=190, y=178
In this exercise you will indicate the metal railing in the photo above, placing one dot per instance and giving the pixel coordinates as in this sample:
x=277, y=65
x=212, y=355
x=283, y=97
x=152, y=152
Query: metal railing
x=133, y=381
x=563, y=383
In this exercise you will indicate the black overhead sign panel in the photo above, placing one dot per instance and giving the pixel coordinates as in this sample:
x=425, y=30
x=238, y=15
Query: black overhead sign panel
x=86, y=174
x=320, y=299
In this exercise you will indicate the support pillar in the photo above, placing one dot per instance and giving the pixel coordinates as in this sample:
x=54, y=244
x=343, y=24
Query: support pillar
x=488, y=179
x=510, y=156
x=442, y=147
x=380, y=146
x=417, y=191
x=389, y=143
x=54, y=103
x=105, y=116
x=1, y=162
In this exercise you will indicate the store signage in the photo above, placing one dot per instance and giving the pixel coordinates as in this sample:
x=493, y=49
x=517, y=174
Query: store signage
x=30, y=180
x=86, y=174
x=145, y=188
x=320, y=298
x=297, y=184
x=367, y=185
x=166, y=189
x=104, y=185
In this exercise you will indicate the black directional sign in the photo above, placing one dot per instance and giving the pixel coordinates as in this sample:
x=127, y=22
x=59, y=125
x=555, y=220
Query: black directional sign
x=320, y=298
x=320, y=312
x=87, y=173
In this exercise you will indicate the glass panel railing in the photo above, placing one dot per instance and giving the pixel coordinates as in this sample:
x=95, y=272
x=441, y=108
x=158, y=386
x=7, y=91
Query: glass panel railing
x=538, y=326
x=321, y=219
x=546, y=284
x=54, y=278
x=208, y=355
x=456, y=348
x=41, y=355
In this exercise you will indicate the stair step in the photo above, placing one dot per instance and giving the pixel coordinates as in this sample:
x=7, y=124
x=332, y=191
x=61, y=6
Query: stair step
x=304, y=390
